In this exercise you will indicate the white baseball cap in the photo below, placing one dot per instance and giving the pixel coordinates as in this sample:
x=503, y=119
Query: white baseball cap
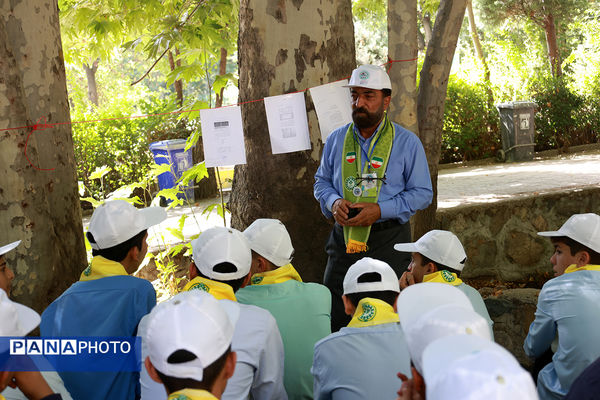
x=370, y=77
x=388, y=278
x=429, y=311
x=8, y=247
x=222, y=245
x=117, y=221
x=270, y=239
x=193, y=321
x=467, y=367
x=440, y=246
x=582, y=228
x=17, y=319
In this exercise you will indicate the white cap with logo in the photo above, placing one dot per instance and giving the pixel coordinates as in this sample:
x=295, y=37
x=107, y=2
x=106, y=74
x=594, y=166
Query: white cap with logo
x=17, y=319
x=117, y=221
x=192, y=321
x=440, y=246
x=429, y=311
x=582, y=228
x=370, y=77
x=388, y=280
x=8, y=247
x=468, y=367
x=270, y=239
x=222, y=245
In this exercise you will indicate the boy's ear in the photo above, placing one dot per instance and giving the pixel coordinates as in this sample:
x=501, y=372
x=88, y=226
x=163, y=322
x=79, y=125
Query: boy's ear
x=193, y=271
x=151, y=370
x=349, y=308
x=431, y=268
x=230, y=364
x=583, y=258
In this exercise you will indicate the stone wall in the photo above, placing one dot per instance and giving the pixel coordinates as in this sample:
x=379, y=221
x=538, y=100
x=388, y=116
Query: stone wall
x=501, y=240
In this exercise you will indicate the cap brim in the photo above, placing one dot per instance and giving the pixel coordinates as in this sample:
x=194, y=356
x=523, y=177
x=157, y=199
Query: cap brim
x=551, y=233
x=152, y=216
x=407, y=247
x=421, y=298
x=28, y=319
x=9, y=247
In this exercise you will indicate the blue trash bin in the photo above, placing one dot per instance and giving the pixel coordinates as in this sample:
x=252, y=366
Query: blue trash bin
x=173, y=152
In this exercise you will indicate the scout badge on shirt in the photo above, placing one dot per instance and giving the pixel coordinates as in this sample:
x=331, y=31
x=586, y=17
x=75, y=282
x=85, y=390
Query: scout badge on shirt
x=362, y=184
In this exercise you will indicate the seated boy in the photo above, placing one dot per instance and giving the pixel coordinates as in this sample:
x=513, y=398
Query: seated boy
x=361, y=360
x=302, y=310
x=107, y=301
x=189, y=339
x=568, y=306
x=438, y=256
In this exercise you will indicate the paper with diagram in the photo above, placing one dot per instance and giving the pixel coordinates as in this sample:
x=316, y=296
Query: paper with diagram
x=332, y=104
x=223, y=136
x=288, y=125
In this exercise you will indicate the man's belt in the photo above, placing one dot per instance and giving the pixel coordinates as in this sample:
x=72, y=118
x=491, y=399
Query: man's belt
x=387, y=224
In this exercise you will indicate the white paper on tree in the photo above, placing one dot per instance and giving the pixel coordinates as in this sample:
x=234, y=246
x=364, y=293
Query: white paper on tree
x=288, y=124
x=332, y=104
x=223, y=136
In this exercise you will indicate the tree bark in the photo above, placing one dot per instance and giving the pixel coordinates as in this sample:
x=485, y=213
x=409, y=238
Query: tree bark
x=177, y=85
x=551, y=41
x=480, y=56
x=427, y=28
x=402, y=45
x=90, y=73
x=222, y=71
x=280, y=52
x=39, y=207
x=432, y=96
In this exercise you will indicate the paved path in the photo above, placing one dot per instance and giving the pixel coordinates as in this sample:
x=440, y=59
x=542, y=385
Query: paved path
x=457, y=185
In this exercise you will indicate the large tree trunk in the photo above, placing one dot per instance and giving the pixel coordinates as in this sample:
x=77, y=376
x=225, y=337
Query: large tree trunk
x=285, y=46
x=402, y=45
x=177, y=85
x=553, y=54
x=39, y=207
x=432, y=96
x=90, y=73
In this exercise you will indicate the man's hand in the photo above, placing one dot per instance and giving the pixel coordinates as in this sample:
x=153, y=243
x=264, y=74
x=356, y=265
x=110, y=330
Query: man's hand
x=406, y=280
x=340, y=210
x=368, y=214
x=409, y=389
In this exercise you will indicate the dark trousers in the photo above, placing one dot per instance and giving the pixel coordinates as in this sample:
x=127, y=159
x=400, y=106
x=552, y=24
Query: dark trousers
x=381, y=243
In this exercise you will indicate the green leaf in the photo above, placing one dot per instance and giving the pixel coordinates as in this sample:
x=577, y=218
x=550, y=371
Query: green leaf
x=196, y=173
x=95, y=203
x=177, y=233
x=100, y=172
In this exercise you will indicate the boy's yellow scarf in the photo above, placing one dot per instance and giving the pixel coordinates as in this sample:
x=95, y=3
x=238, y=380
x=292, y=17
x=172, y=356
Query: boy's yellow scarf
x=589, y=267
x=278, y=275
x=371, y=312
x=443, y=276
x=219, y=290
x=101, y=267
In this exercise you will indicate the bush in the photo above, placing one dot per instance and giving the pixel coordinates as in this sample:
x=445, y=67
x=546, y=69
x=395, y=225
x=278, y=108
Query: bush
x=470, y=129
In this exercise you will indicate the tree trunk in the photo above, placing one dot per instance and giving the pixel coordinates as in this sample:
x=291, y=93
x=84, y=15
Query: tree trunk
x=553, y=54
x=177, y=84
x=90, y=73
x=427, y=28
x=39, y=207
x=281, y=52
x=432, y=96
x=222, y=71
x=402, y=45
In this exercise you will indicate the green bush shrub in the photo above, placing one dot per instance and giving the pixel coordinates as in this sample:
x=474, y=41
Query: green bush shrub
x=470, y=129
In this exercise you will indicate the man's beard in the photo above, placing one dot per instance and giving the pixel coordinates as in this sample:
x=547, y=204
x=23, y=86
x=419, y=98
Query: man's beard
x=364, y=119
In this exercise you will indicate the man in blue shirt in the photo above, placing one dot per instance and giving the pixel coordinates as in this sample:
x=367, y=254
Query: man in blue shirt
x=361, y=360
x=372, y=178
x=107, y=301
x=568, y=309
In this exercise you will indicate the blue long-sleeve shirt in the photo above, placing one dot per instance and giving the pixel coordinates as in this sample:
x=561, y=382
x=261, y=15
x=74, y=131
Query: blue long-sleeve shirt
x=568, y=306
x=407, y=187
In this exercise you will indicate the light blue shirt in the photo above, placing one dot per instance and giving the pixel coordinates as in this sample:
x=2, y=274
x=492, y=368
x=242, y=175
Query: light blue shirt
x=478, y=304
x=568, y=306
x=407, y=186
x=111, y=306
x=360, y=363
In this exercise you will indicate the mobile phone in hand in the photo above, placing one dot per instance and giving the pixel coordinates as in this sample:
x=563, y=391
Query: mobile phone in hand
x=353, y=212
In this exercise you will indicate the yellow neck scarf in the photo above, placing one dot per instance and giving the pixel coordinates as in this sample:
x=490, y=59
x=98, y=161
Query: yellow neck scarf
x=278, y=275
x=219, y=290
x=101, y=267
x=589, y=267
x=371, y=312
x=191, y=394
x=443, y=277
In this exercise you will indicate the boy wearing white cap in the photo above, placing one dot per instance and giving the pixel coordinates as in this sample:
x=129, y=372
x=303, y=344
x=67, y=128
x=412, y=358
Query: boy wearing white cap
x=302, y=310
x=189, y=339
x=438, y=256
x=221, y=265
x=568, y=306
x=361, y=360
x=106, y=301
x=371, y=208
x=18, y=320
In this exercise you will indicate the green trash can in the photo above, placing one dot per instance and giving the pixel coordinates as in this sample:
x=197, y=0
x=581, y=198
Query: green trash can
x=517, y=129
